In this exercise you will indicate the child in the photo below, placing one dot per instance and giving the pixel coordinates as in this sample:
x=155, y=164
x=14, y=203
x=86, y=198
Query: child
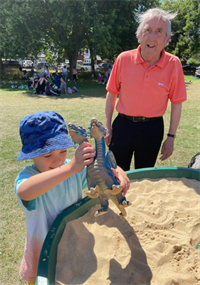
x=105, y=77
x=99, y=77
x=49, y=91
x=50, y=185
x=74, y=74
x=63, y=86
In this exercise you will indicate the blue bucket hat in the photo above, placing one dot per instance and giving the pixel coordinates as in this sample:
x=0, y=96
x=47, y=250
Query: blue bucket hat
x=41, y=133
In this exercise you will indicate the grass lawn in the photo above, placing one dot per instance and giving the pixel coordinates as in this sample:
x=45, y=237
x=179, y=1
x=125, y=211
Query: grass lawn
x=78, y=108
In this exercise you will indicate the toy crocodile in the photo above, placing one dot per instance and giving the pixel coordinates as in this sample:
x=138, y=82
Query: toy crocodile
x=100, y=177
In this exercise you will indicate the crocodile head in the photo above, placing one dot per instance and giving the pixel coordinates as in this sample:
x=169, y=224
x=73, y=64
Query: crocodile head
x=77, y=133
x=96, y=129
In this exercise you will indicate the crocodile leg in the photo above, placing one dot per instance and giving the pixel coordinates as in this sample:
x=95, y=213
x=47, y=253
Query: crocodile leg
x=93, y=193
x=104, y=208
x=116, y=189
x=123, y=204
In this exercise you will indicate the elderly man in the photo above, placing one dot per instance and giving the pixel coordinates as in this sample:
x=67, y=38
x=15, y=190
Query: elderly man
x=145, y=79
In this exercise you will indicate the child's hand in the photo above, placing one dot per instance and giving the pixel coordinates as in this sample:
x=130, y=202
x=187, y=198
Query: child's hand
x=83, y=156
x=122, y=178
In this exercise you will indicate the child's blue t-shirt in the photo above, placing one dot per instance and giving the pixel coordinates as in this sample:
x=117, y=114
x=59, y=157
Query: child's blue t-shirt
x=41, y=212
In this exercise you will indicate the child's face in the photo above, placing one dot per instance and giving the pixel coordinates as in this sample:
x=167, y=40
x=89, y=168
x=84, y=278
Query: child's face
x=50, y=160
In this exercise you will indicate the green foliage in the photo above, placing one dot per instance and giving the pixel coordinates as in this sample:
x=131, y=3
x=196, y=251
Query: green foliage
x=193, y=61
x=61, y=28
x=186, y=38
x=113, y=25
x=20, y=33
x=86, y=75
x=11, y=74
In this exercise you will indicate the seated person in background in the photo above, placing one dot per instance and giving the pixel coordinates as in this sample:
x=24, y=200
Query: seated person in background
x=197, y=73
x=40, y=87
x=49, y=91
x=31, y=83
x=63, y=86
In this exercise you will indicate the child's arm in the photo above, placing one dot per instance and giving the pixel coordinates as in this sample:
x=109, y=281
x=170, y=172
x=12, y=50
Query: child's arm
x=39, y=184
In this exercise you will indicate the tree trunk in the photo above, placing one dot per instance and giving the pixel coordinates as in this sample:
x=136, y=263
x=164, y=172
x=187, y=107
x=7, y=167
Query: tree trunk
x=92, y=64
x=1, y=67
x=72, y=62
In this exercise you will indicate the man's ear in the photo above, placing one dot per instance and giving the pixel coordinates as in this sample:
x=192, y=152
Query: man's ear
x=167, y=41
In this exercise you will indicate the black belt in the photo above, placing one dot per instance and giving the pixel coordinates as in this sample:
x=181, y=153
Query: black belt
x=138, y=119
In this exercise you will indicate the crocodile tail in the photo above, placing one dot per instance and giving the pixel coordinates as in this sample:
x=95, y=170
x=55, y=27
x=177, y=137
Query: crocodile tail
x=119, y=206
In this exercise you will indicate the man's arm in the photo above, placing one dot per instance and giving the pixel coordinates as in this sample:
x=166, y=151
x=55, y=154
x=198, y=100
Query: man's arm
x=109, y=108
x=168, y=145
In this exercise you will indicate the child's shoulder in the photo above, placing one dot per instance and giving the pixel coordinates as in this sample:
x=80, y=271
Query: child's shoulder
x=29, y=170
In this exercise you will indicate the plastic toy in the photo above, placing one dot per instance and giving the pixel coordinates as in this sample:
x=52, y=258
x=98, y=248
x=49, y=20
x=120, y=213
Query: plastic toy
x=100, y=176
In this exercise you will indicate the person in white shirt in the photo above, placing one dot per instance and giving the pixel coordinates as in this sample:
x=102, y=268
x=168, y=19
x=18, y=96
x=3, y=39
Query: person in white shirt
x=42, y=71
x=64, y=73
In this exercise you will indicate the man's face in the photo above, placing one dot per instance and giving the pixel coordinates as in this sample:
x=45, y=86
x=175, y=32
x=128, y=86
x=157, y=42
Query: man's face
x=50, y=160
x=153, y=39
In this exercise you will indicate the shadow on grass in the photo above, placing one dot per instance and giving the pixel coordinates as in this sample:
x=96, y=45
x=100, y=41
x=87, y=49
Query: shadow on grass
x=86, y=89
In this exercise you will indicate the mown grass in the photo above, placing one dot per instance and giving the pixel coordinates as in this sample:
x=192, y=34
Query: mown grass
x=78, y=108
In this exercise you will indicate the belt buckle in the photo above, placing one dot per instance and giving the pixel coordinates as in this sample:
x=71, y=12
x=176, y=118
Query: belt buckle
x=138, y=119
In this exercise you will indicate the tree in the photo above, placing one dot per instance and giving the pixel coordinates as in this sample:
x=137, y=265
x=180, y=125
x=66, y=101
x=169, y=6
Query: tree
x=192, y=27
x=105, y=27
x=113, y=25
x=185, y=41
x=20, y=34
x=66, y=28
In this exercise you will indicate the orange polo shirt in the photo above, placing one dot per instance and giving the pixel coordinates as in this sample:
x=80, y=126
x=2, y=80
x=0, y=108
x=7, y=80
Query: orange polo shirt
x=143, y=90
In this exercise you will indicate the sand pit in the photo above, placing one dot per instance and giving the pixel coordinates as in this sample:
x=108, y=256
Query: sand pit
x=154, y=244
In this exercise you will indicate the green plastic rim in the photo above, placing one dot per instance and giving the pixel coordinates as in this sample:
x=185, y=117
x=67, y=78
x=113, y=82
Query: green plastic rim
x=48, y=257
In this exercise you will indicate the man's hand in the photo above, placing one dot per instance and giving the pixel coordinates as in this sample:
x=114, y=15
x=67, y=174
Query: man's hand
x=167, y=148
x=109, y=108
x=108, y=136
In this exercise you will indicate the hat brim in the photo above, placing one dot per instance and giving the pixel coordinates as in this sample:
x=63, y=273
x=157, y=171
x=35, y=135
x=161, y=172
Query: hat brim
x=42, y=147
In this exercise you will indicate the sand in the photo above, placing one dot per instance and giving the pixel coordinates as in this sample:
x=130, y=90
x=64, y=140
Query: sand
x=154, y=244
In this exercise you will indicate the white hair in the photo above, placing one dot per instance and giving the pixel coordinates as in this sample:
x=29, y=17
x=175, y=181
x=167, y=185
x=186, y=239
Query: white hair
x=155, y=13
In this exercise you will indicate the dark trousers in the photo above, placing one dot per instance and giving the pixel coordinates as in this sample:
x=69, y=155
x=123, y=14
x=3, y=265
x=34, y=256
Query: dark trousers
x=74, y=77
x=141, y=138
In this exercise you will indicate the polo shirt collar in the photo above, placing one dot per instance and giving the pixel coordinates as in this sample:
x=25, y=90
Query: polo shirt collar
x=139, y=59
